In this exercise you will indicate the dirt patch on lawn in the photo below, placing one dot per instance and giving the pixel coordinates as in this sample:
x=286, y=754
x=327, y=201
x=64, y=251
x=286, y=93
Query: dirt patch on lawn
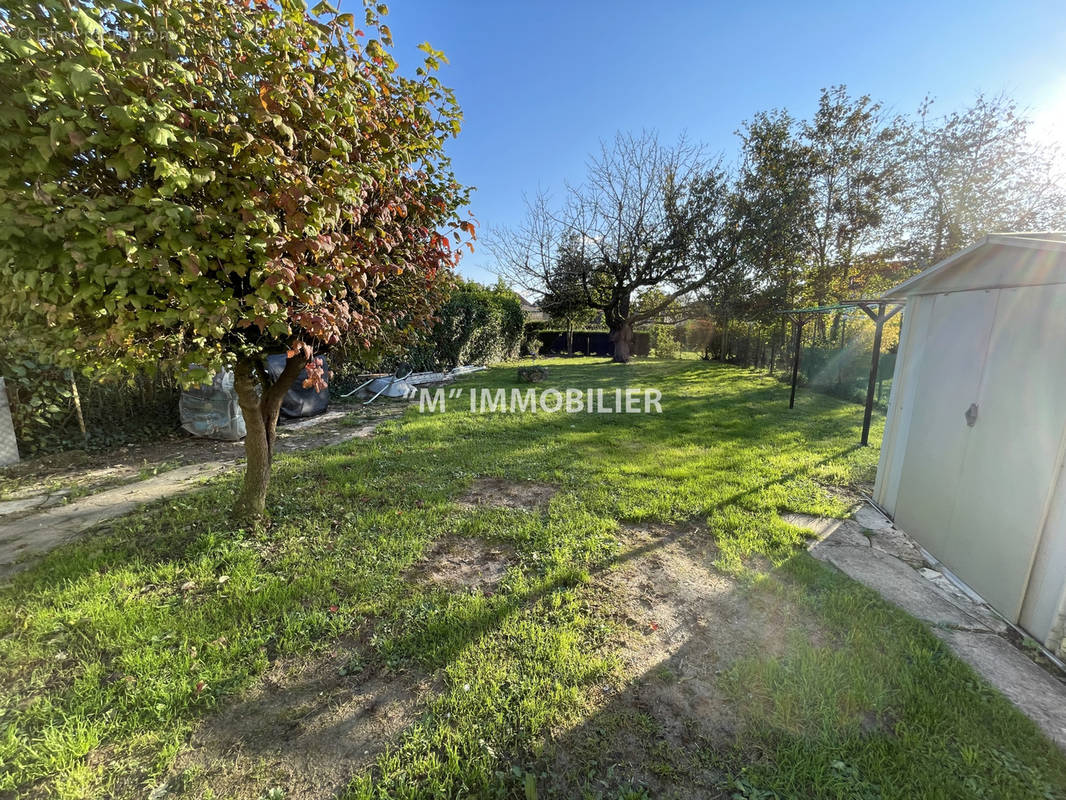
x=684, y=623
x=464, y=563
x=522, y=495
x=306, y=728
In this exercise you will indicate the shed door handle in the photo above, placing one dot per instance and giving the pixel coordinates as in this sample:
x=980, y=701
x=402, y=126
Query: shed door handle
x=971, y=415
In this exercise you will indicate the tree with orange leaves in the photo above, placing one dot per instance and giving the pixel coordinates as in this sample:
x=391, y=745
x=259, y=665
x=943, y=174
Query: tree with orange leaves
x=203, y=183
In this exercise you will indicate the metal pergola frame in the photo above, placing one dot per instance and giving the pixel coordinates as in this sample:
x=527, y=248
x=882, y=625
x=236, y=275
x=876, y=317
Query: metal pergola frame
x=879, y=310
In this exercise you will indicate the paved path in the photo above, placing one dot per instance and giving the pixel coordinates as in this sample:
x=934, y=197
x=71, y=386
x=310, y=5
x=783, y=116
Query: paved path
x=872, y=551
x=38, y=533
x=34, y=534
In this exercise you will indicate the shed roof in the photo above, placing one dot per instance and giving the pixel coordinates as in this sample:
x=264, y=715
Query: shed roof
x=999, y=260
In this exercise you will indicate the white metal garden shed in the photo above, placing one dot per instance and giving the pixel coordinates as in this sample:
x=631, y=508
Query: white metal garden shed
x=972, y=457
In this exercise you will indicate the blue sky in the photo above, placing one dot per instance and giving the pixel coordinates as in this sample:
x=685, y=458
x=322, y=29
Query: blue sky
x=542, y=83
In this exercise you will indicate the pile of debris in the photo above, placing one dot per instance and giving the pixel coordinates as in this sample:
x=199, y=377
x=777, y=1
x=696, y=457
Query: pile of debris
x=405, y=382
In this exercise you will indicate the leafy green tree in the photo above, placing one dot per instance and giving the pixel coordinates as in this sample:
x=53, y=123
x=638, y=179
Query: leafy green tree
x=817, y=200
x=773, y=207
x=564, y=298
x=206, y=182
x=977, y=171
x=663, y=342
x=856, y=157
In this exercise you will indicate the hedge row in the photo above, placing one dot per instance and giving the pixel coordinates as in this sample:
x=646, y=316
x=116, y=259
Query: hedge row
x=586, y=342
x=44, y=411
x=478, y=325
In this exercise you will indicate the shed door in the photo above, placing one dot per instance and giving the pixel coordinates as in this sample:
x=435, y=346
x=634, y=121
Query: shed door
x=1012, y=458
x=948, y=381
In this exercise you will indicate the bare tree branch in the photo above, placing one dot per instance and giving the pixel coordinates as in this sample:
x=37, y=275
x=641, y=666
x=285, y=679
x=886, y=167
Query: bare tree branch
x=647, y=215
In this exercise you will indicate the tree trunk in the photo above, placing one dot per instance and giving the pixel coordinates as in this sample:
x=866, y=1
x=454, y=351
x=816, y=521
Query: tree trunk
x=622, y=337
x=570, y=337
x=260, y=411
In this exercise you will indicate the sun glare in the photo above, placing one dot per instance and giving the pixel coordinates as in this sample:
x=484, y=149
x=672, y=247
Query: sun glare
x=1049, y=119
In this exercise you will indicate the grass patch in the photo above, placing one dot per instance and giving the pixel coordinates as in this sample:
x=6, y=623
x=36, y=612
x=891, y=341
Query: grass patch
x=113, y=649
x=884, y=710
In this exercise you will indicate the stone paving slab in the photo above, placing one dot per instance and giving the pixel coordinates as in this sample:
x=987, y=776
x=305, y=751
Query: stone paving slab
x=39, y=533
x=871, y=518
x=821, y=527
x=897, y=583
x=21, y=505
x=988, y=617
x=1039, y=696
x=32, y=535
x=896, y=543
x=872, y=551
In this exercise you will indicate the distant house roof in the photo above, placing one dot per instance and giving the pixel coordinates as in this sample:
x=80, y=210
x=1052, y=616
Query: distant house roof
x=998, y=260
x=530, y=311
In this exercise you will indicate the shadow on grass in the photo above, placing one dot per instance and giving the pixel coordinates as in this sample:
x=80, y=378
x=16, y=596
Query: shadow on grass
x=140, y=610
x=800, y=683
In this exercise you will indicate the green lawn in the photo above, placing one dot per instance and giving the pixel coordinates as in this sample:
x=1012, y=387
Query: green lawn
x=113, y=650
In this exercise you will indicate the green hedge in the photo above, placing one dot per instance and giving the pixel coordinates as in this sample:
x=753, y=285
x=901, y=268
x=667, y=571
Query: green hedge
x=118, y=412
x=477, y=325
x=597, y=342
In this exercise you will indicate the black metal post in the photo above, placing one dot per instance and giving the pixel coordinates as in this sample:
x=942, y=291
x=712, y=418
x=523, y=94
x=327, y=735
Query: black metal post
x=795, y=362
x=879, y=322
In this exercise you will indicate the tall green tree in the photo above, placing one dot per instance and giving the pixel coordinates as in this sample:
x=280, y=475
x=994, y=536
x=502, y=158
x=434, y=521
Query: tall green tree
x=774, y=210
x=774, y=204
x=817, y=202
x=563, y=297
x=978, y=171
x=207, y=182
x=856, y=155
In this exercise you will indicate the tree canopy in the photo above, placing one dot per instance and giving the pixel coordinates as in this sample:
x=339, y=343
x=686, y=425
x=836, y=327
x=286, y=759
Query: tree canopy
x=977, y=171
x=855, y=199
x=202, y=183
x=840, y=205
